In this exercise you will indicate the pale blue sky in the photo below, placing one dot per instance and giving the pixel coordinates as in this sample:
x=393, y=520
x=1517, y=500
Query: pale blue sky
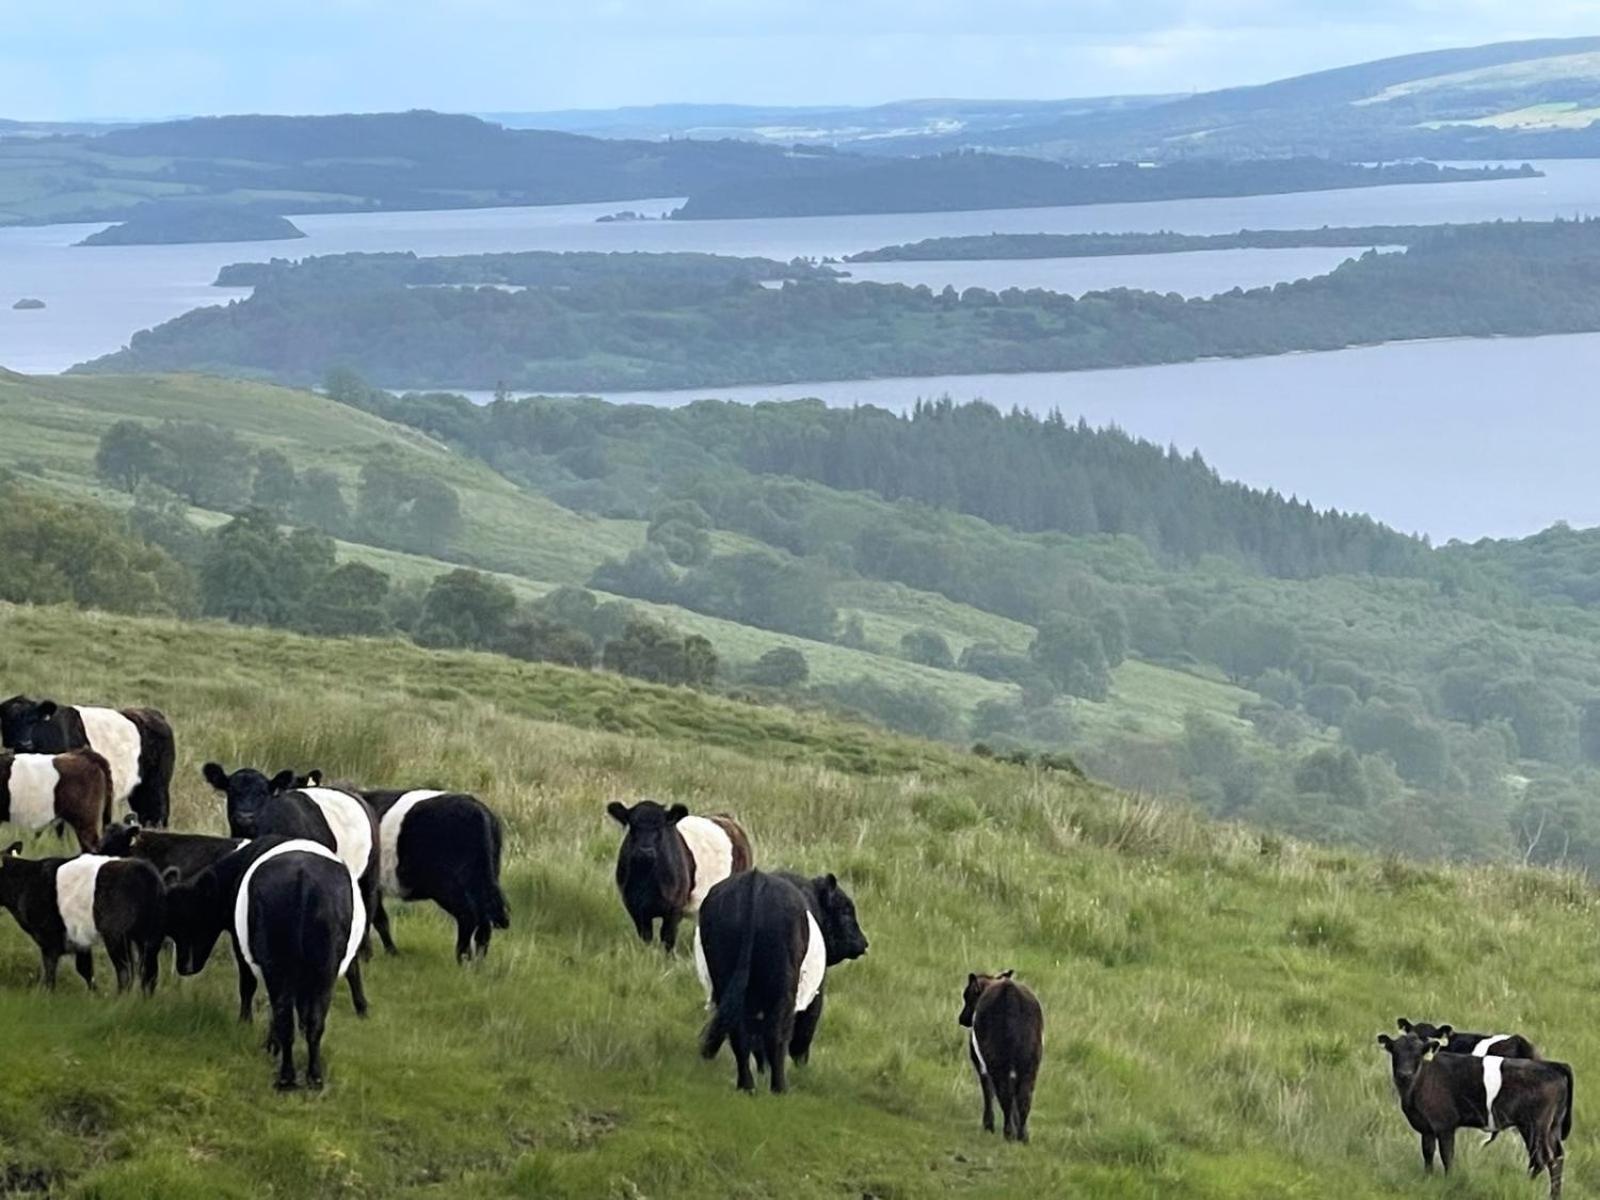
x=104, y=58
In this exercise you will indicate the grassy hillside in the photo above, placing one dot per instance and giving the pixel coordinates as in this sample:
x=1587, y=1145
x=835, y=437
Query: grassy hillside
x=1211, y=993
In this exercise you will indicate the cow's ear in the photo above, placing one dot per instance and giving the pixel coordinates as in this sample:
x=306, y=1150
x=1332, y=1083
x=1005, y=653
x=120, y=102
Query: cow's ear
x=1403, y=1025
x=131, y=820
x=972, y=978
x=171, y=876
x=44, y=710
x=1386, y=1041
x=619, y=812
x=831, y=881
x=14, y=849
x=677, y=813
x=281, y=782
x=313, y=777
x=1431, y=1049
x=215, y=776
x=1445, y=1031
x=1008, y=973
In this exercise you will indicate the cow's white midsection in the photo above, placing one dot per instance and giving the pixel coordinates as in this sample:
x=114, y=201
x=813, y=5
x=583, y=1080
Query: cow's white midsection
x=347, y=818
x=1481, y=1050
x=241, y=905
x=812, y=967
x=75, y=884
x=1491, y=1085
x=712, y=850
x=33, y=790
x=701, y=967
x=116, y=739
x=389, y=840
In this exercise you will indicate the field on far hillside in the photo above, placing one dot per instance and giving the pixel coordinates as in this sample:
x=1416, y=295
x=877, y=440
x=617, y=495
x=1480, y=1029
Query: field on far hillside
x=1211, y=993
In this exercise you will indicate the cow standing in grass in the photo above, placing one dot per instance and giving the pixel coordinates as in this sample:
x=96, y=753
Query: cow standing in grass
x=137, y=743
x=190, y=853
x=669, y=861
x=1479, y=1045
x=1442, y=1092
x=68, y=905
x=69, y=789
x=1006, y=1045
x=762, y=949
x=296, y=920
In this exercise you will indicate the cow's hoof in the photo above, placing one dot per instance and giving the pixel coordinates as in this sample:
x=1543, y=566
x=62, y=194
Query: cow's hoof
x=286, y=1083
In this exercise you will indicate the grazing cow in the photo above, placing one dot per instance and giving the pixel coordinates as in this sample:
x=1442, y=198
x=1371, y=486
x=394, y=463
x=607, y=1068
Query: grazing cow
x=1440, y=1093
x=296, y=919
x=670, y=860
x=69, y=904
x=72, y=788
x=332, y=817
x=444, y=847
x=190, y=853
x=136, y=742
x=1007, y=1042
x=1479, y=1045
x=762, y=948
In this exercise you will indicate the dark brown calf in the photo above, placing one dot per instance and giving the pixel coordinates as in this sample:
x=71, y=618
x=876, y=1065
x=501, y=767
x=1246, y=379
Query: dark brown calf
x=72, y=788
x=1441, y=1093
x=1007, y=1043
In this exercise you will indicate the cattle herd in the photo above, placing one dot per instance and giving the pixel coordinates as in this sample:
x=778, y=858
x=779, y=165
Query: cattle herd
x=302, y=878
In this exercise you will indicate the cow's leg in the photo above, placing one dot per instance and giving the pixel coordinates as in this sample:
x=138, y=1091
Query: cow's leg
x=380, y=922
x=480, y=938
x=669, y=931
x=282, y=1001
x=150, y=962
x=805, y=1029
x=84, y=962
x=87, y=831
x=313, y=1018
x=1005, y=1092
x=1023, y=1103
x=358, y=990
x=645, y=927
x=988, y=1101
x=466, y=926
x=120, y=951
x=1429, y=1143
x=1555, y=1161
x=247, y=991
x=48, y=961
x=1447, y=1149
x=739, y=1040
x=779, y=1032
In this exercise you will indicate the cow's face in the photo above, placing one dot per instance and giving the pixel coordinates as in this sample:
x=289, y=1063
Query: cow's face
x=247, y=791
x=648, y=826
x=1424, y=1030
x=20, y=719
x=841, y=932
x=12, y=875
x=1407, y=1053
x=194, y=918
x=976, y=986
x=119, y=838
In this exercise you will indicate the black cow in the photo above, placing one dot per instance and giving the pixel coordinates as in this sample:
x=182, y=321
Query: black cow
x=670, y=860
x=444, y=847
x=136, y=742
x=1442, y=1092
x=190, y=853
x=1479, y=1045
x=1007, y=1043
x=295, y=916
x=68, y=904
x=68, y=789
x=762, y=948
x=332, y=817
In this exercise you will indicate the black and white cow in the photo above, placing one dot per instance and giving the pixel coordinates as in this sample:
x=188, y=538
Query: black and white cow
x=762, y=948
x=669, y=860
x=333, y=817
x=136, y=742
x=67, y=905
x=444, y=847
x=296, y=919
x=68, y=789
x=1479, y=1045
x=1006, y=1045
x=190, y=853
x=1441, y=1093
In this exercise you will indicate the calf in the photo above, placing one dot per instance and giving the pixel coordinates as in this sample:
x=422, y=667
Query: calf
x=72, y=788
x=331, y=817
x=190, y=853
x=762, y=948
x=444, y=847
x=296, y=919
x=670, y=860
x=1479, y=1045
x=69, y=904
x=1440, y=1093
x=136, y=742
x=1006, y=1045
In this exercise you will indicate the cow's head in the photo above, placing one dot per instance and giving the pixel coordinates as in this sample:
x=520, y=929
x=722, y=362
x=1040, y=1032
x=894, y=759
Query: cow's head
x=1407, y=1053
x=119, y=838
x=195, y=917
x=16, y=873
x=21, y=719
x=976, y=986
x=648, y=825
x=841, y=933
x=1424, y=1030
x=247, y=791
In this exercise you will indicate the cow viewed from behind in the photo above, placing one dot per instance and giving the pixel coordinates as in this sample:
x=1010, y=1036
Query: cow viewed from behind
x=137, y=744
x=68, y=905
x=1479, y=1045
x=670, y=860
x=68, y=789
x=762, y=949
x=1442, y=1092
x=1006, y=1046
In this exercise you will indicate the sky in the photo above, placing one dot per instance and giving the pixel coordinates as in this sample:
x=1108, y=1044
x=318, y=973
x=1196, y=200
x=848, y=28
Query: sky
x=86, y=59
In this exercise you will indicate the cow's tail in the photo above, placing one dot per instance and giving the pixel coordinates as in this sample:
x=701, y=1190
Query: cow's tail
x=730, y=1007
x=495, y=907
x=104, y=767
x=1566, y=1113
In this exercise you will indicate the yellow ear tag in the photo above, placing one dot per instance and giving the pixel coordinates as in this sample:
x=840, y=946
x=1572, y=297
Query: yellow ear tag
x=1428, y=1057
